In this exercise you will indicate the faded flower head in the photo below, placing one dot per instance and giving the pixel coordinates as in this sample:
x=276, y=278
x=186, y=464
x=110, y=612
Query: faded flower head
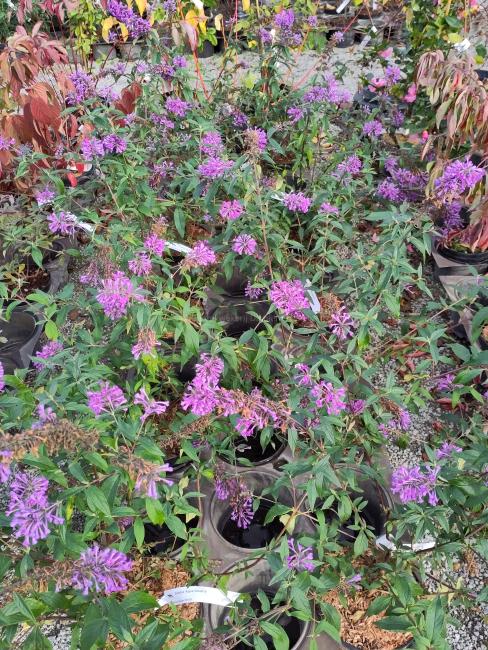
x=146, y=343
x=256, y=140
x=148, y=475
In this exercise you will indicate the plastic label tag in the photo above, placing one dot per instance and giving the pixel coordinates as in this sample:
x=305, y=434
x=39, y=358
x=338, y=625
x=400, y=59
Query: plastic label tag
x=463, y=45
x=198, y=594
x=179, y=248
x=342, y=6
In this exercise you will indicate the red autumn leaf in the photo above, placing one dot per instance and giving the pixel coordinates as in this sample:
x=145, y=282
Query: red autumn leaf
x=127, y=102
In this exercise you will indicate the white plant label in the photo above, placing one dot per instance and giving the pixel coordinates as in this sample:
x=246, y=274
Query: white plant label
x=198, y=594
x=342, y=6
x=180, y=248
x=463, y=45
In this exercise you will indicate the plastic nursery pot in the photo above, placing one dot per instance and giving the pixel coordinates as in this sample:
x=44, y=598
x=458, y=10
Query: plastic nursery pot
x=241, y=541
x=236, y=313
x=234, y=286
x=375, y=512
x=482, y=74
x=103, y=50
x=161, y=540
x=129, y=51
x=249, y=451
x=249, y=582
x=22, y=333
x=478, y=260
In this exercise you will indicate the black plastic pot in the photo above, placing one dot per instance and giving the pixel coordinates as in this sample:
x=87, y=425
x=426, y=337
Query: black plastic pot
x=374, y=514
x=478, y=260
x=250, y=449
x=250, y=582
x=162, y=540
x=235, y=313
x=482, y=74
x=22, y=332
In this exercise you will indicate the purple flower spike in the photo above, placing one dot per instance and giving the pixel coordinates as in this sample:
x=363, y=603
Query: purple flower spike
x=105, y=400
x=297, y=202
x=101, y=570
x=411, y=484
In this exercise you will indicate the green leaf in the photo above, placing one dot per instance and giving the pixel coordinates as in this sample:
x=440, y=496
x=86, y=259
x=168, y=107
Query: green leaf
x=97, y=501
x=379, y=605
x=434, y=619
x=176, y=526
x=51, y=330
x=95, y=628
x=361, y=543
x=278, y=634
x=259, y=644
x=154, y=511
x=24, y=609
x=118, y=620
x=139, y=532
x=400, y=623
x=138, y=601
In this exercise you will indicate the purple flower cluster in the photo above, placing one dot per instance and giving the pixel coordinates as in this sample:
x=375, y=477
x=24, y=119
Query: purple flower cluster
x=101, y=570
x=328, y=396
x=393, y=74
x=84, y=87
x=45, y=415
x=342, y=324
x=350, y=166
x=94, y=147
x=297, y=202
x=356, y=406
x=244, y=245
x=155, y=245
x=136, y=25
x=29, y=508
x=201, y=396
x=389, y=191
x=240, y=499
x=215, y=167
x=150, y=406
x=105, y=400
x=401, y=423
x=239, y=119
x=231, y=210
x=285, y=21
x=5, y=143
x=5, y=460
x=300, y=558
x=169, y=6
x=162, y=120
x=140, y=265
x=328, y=208
x=303, y=376
x=411, y=484
x=2, y=375
x=177, y=106
x=146, y=343
x=258, y=412
x=48, y=350
x=116, y=294
x=44, y=196
x=289, y=297
x=446, y=450
x=179, y=61
x=295, y=114
x=62, y=223
x=211, y=144
x=200, y=255
x=265, y=36
x=458, y=177
x=452, y=218
x=373, y=128
x=251, y=292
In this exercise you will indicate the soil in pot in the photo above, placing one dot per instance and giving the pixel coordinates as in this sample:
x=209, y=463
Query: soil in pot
x=359, y=631
x=161, y=540
x=292, y=626
x=257, y=535
x=154, y=576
